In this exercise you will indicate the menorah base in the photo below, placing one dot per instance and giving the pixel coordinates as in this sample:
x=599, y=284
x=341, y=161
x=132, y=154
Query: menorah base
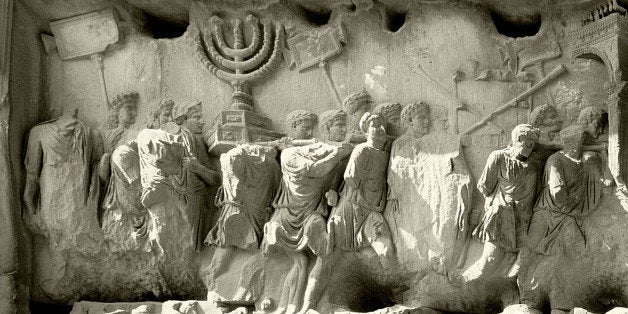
x=234, y=127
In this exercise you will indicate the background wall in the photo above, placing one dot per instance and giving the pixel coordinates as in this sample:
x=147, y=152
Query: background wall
x=439, y=38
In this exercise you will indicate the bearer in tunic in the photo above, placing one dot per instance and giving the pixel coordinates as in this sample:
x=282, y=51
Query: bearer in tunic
x=508, y=184
x=299, y=222
x=572, y=189
x=357, y=221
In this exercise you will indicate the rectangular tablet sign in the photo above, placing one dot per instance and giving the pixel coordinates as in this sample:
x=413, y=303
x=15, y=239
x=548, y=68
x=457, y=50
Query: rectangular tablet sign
x=311, y=48
x=85, y=34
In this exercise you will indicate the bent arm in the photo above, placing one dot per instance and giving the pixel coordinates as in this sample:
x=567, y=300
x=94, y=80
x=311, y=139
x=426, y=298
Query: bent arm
x=488, y=181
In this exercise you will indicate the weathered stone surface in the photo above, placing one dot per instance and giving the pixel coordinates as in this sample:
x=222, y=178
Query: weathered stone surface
x=351, y=220
x=168, y=307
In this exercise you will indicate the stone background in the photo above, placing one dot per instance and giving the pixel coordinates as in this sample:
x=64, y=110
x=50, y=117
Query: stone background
x=437, y=37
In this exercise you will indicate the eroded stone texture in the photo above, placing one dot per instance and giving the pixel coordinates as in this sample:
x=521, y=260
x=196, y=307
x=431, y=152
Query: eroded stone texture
x=429, y=198
x=120, y=217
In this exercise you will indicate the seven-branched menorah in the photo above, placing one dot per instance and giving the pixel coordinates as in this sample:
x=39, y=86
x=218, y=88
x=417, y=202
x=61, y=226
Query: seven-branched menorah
x=240, y=65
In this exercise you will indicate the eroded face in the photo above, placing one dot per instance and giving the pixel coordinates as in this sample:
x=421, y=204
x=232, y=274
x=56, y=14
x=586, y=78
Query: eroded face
x=165, y=116
x=354, y=120
x=393, y=124
x=551, y=120
x=338, y=130
x=303, y=130
x=127, y=114
x=376, y=130
x=524, y=146
x=195, y=122
x=420, y=125
x=594, y=128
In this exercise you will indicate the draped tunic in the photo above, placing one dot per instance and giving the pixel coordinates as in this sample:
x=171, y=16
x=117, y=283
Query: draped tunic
x=509, y=185
x=60, y=156
x=571, y=190
x=124, y=217
x=301, y=206
x=358, y=220
x=250, y=175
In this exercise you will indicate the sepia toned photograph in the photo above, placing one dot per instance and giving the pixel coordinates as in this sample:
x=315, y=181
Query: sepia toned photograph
x=313, y=156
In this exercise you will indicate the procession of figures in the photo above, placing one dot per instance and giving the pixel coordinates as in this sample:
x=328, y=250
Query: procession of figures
x=370, y=179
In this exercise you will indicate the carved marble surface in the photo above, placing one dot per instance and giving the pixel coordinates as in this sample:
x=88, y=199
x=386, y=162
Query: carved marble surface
x=466, y=180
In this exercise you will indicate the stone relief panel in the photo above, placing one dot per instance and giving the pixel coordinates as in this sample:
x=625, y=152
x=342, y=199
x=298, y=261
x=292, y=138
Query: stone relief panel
x=459, y=194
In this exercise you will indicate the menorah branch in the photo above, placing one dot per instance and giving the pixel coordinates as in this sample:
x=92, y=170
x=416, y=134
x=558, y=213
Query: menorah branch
x=238, y=65
x=247, y=65
x=244, y=53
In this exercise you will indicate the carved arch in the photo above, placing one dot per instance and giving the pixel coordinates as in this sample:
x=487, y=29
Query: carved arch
x=605, y=38
x=595, y=53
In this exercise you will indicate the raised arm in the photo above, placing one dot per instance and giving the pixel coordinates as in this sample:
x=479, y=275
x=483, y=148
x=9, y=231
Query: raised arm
x=323, y=166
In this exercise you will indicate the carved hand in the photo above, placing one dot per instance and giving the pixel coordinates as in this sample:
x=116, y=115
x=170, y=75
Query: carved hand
x=104, y=167
x=30, y=190
x=621, y=191
x=462, y=216
x=191, y=164
x=344, y=150
x=332, y=197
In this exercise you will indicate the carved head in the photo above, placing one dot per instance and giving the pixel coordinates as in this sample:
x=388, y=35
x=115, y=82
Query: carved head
x=415, y=118
x=546, y=118
x=357, y=103
x=592, y=120
x=162, y=115
x=391, y=113
x=373, y=126
x=190, y=115
x=572, y=137
x=300, y=124
x=123, y=110
x=524, y=137
x=333, y=125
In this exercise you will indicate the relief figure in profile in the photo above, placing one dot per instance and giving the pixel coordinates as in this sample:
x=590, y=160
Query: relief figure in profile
x=123, y=217
x=546, y=119
x=298, y=225
x=572, y=189
x=172, y=192
x=508, y=184
x=355, y=105
x=429, y=196
x=391, y=113
x=357, y=221
x=196, y=175
x=122, y=114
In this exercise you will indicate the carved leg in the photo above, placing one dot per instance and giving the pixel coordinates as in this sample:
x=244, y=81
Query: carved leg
x=298, y=284
x=292, y=290
x=313, y=285
x=219, y=264
x=559, y=297
x=285, y=291
x=383, y=247
x=487, y=265
x=508, y=261
x=535, y=275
